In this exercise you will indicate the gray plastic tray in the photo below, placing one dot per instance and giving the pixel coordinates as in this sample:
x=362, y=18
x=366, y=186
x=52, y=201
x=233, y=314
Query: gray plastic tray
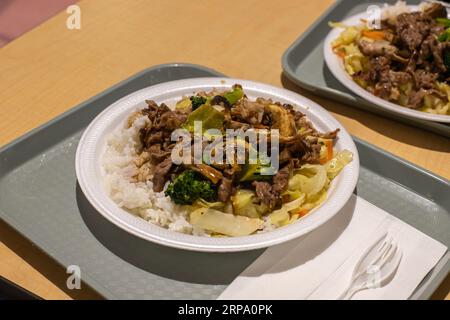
x=303, y=63
x=39, y=197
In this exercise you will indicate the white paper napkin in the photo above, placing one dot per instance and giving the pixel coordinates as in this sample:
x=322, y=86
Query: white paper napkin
x=319, y=265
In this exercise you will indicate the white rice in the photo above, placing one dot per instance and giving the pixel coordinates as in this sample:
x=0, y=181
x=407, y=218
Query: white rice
x=138, y=197
x=391, y=12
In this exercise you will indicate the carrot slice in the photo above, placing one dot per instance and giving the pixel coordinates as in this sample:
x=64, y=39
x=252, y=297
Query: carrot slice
x=373, y=34
x=329, y=156
x=302, y=212
x=329, y=144
x=340, y=53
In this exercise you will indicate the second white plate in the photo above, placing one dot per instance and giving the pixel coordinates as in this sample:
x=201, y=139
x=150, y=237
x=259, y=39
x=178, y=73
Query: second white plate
x=336, y=67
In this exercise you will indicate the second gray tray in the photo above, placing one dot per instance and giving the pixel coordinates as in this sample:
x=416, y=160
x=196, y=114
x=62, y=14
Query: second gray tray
x=303, y=63
x=39, y=197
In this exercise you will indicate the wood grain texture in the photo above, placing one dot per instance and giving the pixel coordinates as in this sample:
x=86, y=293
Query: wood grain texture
x=50, y=69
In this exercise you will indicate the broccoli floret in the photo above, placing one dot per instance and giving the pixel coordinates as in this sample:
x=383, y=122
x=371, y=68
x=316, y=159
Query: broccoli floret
x=190, y=186
x=197, y=101
x=234, y=96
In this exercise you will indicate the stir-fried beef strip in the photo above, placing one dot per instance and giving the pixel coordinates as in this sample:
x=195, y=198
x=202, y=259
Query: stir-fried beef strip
x=264, y=192
x=299, y=143
x=225, y=189
x=247, y=111
x=157, y=154
x=281, y=179
x=410, y=54
x=161, y=174
x=436, y=11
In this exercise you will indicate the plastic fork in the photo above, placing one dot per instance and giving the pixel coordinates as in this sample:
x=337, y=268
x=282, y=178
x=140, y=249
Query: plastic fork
x=375, y=268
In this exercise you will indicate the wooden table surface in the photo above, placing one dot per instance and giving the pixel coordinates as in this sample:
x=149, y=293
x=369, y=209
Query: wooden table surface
x=51, y=69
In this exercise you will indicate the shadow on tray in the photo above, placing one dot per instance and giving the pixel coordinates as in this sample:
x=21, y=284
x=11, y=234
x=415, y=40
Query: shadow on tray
x=180, y=265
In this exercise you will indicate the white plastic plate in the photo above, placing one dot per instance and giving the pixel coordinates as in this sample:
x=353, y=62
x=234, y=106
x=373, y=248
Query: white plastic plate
x=93, y=141
x=336, y=67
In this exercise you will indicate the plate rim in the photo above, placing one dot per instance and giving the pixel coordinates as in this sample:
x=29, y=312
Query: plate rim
x=178, y=240
x=335, y=65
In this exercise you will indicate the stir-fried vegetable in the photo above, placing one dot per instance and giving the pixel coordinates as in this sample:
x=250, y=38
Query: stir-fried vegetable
x=253, y=172
x=349, y=35
x=444, y=21
x=188, y=187
x=335, y=165
x=206, y=204
x=373, y=34
x=210, y=118
x=282, y=216
x=445, y=36
x=354, y=60
x=234, y=96
x=224, y=223
x=310, y=179
x=311, y=203
x=358, y=44
x=197, y=101
x=326, y=151
x=245, y=204
x=279, y=217
x=184, y=105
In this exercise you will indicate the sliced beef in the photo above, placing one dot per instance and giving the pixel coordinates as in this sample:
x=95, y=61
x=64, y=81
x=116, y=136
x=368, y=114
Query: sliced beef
x=225, y=189
x=151, y=138
x=436, y=10
x=157, y=154
x=412, y=63
x=248, y=111
x=281, y=179
x=266, y=194
x=330, y=134
x=285, y=156
x=376, y=48
x=233, y=124
x=437, y=50
x=170, y=121
x=313, y=152
x=424, y=79
x=399, y=77
x=411, y=37
x=307, y=150
x=412, y=28
x=161, y=174
x=378, y=70
x=383, y=90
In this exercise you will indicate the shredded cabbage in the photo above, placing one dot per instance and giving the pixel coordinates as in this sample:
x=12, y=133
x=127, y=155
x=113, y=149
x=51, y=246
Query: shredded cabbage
x=309, y=179
x=349, y=35
x=307, y=189
x=279, y=217
x=205, y=204
x=224, y=223
x=294, y=204
x=335, y=165
x=244, y=204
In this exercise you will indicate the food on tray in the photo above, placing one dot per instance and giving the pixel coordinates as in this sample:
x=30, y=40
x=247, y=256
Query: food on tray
x=204, y=195
x=406, y=61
